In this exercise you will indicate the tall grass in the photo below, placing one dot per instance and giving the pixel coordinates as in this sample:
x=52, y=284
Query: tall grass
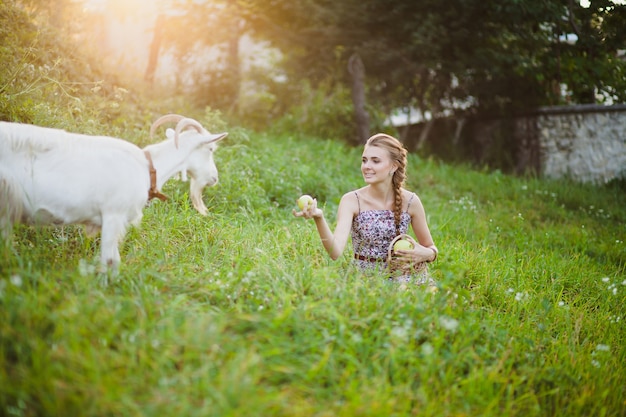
x=241, y=313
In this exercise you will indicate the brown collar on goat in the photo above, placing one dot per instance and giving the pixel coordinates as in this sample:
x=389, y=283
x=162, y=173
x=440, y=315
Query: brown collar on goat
x=153, y=192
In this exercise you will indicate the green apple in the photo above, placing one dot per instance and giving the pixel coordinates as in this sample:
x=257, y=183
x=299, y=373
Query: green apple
x=402, y=244
x=305, y=201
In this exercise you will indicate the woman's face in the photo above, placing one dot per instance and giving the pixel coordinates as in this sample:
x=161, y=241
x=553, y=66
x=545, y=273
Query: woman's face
x=376, y=164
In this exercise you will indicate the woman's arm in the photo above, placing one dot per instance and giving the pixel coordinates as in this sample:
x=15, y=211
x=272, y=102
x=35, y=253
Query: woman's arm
x=334, y=242
x=426, y=251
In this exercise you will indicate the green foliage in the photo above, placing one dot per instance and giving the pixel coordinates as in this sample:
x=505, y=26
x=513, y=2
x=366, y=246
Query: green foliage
x=458, y=55
x=46, y=80
x=242, y=312
x=323, y=111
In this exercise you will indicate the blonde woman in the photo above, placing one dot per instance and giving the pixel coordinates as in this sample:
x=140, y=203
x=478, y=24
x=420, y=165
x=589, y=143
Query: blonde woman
x=378, y=212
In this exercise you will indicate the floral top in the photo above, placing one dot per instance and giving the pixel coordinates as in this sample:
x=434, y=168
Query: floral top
x=372, y=232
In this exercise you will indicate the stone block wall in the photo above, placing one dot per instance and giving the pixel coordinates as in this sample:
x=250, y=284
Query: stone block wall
x=585, y=143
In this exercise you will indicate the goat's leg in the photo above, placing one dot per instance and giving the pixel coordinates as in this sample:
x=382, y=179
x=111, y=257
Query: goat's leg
x=11, y=208
x=113, y=230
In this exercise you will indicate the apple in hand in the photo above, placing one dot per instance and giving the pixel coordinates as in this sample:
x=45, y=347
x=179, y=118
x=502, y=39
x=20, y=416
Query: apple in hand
x=402, y=244
x=305, y=201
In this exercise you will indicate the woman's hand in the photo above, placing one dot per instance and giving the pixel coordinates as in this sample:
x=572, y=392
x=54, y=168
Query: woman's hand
x=416, y=255
x=309, y=212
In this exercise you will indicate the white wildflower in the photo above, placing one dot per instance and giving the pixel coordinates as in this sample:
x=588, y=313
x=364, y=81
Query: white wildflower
x=399, y=332
x=521, y=296
x=427, y=349
x=85, y=269
x=449, y=323
x=16, y=280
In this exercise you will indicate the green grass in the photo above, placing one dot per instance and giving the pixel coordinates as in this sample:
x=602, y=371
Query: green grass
x=241, y=313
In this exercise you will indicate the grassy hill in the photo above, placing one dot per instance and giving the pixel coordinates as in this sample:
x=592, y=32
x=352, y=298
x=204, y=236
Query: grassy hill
x=241, y=313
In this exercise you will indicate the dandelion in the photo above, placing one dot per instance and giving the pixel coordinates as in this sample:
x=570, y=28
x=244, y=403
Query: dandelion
x=261, y=308
x=561, y=303
x=603, y=348
x=595, y=363
x=606, y=279
x=427, y=349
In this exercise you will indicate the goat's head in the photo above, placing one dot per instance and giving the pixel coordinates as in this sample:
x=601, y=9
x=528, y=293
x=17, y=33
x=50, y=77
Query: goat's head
x=200, y=165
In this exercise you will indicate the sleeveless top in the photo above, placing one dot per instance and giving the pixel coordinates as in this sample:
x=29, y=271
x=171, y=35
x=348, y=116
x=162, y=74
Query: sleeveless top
x=372, y=232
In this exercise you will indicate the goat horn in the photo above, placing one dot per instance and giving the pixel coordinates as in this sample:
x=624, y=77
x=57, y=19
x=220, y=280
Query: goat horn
x=185, y=123
x=174, y=118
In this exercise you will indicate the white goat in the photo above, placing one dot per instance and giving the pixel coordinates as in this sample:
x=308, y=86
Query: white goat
x=200, y=165
x=50, y=176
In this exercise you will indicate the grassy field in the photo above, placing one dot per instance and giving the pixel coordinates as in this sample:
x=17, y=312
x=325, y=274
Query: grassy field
x=241, y=313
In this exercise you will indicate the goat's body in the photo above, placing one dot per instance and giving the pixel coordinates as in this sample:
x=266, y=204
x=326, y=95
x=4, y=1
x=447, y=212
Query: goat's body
x=49, y=176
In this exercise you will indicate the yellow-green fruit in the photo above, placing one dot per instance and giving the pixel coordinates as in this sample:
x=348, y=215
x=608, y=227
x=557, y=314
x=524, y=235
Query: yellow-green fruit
x=305, y=201
x=402, y=244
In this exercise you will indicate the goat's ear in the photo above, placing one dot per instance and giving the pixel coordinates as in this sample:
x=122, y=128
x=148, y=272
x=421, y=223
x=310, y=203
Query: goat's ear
x=215, y=137
x=169, y=133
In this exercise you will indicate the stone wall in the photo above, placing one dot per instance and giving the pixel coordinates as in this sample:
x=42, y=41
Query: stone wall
x=585, y=143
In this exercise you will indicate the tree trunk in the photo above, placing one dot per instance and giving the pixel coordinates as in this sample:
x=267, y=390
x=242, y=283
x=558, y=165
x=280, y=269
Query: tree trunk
x=424, y=134
x=234, y=68
x=155, y=47
x=357, y=71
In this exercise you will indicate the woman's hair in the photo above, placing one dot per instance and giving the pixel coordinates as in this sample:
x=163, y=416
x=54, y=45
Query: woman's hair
x=397, y=153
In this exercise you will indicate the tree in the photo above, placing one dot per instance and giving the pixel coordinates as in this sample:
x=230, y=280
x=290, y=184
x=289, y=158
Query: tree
x=462, y=56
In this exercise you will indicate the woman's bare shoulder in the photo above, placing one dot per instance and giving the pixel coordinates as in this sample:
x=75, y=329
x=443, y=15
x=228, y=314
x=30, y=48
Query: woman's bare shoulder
x=350, y=196
x=410, y=199
x=350, y=200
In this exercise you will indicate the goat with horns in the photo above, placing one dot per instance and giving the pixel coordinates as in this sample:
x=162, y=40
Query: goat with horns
x=53, y=177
